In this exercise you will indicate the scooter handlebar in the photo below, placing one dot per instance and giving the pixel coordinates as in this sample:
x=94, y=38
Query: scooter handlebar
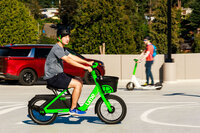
x=135, y=60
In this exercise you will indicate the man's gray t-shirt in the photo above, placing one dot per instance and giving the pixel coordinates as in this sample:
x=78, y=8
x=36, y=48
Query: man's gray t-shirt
x=54, y=63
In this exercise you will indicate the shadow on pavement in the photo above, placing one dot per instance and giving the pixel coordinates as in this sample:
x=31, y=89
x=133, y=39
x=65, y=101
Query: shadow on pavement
x=124, y=89
x=14, y=83
x=181, y=94
x=71, y=120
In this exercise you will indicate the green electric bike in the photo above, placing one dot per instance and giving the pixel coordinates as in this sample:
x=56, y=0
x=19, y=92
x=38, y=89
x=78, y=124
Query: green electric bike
x=111, y=109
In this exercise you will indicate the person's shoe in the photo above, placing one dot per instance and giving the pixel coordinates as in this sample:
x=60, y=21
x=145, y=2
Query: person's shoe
x=145, y=84
x=76, y=112
x=151, y=84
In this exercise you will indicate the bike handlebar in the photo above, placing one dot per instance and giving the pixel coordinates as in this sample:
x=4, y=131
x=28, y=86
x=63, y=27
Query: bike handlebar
x=94, y=65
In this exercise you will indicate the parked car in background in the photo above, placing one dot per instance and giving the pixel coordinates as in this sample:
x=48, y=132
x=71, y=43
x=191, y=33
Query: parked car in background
x=25, y=63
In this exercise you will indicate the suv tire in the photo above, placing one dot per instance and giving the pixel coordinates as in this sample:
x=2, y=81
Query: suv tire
x=27, y=77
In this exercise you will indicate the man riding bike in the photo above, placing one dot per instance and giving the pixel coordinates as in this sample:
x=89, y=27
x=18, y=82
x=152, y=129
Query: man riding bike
x=54, y=73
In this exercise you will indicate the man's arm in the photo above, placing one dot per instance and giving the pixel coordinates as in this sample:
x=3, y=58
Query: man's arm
x=69, y=60
x=143, y=56
x=79, y=60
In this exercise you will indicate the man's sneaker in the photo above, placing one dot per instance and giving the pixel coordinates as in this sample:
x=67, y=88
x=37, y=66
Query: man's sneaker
x=151, y=84
x=76, y=112
x=145, y=84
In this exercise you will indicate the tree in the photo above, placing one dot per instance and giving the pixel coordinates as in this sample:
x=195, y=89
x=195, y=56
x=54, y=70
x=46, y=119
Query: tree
x=17, y=26
x=139, y=23
x=67, y=11
x=35, y=9
x=158, y=28
x=197, y=43
x=103, y=21
x=195, y=16
x=48, y=3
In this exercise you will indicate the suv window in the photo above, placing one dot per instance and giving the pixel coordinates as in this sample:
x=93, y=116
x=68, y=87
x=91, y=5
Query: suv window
x=4, y=51
x=19, y=52
x=14, y=52
x=42, y=52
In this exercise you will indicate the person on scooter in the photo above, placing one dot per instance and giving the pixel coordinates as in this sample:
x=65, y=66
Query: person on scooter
x=54, y=73
x=148, y=54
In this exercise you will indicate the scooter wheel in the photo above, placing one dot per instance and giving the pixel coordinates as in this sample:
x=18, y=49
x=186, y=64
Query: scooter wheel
x=130, y=86
x=160, y=86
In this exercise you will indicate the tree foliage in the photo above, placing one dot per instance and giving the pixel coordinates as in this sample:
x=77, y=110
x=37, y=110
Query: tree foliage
x=17, y=26
x=197, y=43
x=103, y=21
x=48, y=3
x=158, y=28
x=195, y=16
x=67, y=11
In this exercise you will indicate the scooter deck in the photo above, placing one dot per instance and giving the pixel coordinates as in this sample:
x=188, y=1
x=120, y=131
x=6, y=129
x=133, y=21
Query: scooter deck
x=149, y=87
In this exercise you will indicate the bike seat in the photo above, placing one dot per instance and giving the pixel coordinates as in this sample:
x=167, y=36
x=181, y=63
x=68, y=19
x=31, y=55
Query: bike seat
x=54, y=88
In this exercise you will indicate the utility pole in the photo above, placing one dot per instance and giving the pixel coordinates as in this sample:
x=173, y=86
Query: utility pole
x=169, y=67
x=169, y=35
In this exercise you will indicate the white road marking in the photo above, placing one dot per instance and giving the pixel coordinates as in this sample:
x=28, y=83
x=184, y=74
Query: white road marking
x=144, y=117
x=161, y=102
x=11, y=109
x=14, y=102
x=20, y=123
x=7, y=106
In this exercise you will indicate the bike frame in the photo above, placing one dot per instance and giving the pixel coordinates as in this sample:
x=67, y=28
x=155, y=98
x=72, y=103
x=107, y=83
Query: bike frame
x=97, y=89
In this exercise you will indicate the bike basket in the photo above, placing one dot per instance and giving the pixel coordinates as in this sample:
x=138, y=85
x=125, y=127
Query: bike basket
x=108, y=84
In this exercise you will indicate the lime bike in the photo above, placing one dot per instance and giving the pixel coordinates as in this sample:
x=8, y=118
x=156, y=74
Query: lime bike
x=111, y=109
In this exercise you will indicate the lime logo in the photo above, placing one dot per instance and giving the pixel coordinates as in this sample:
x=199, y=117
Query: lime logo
x=107, y=88
x=90, y=99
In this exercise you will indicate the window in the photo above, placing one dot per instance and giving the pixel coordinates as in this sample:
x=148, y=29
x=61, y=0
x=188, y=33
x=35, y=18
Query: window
x=4, y=51
x=14, y=52
x=19, y=52
x=42, y=52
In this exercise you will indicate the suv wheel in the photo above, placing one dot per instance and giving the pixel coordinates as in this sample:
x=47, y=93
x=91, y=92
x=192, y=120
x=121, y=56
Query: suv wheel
x=88, y=77
x=27, y=77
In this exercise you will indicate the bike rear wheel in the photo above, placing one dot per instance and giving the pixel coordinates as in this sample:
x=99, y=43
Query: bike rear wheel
x=35, y=112
x=118, y=107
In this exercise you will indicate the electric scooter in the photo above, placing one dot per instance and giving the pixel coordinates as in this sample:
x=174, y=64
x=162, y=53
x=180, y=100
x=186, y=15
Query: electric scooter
x=111, y=109
x=134, y=84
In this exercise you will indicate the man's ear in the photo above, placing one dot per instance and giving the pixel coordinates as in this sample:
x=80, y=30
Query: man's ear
x=59, y=38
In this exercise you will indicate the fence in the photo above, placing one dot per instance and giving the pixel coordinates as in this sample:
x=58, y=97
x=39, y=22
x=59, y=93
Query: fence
x=187, y=66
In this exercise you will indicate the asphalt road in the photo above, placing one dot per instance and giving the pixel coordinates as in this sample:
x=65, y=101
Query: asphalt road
x=174, y=109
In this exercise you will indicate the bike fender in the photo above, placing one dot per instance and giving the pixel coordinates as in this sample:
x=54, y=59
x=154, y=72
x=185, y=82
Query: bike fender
x=48, y=97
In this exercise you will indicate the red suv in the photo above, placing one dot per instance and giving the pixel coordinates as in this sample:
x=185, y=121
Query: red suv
x=25, y=63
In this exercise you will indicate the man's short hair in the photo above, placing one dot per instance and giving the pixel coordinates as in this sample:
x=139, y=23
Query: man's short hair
x=148, y=38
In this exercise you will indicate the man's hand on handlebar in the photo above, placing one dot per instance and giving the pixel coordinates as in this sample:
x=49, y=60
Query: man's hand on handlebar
x=90, y=63
x=88, y=69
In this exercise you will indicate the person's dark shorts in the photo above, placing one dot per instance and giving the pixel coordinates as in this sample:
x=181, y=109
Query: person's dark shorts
x=60, y=81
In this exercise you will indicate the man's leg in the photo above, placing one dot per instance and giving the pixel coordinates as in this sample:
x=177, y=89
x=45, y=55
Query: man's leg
x=77, y=85
x=147, y=72
x=150, y=73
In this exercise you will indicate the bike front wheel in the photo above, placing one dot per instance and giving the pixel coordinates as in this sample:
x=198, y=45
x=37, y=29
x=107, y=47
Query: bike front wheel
x=35, y=111
x=118, y=113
